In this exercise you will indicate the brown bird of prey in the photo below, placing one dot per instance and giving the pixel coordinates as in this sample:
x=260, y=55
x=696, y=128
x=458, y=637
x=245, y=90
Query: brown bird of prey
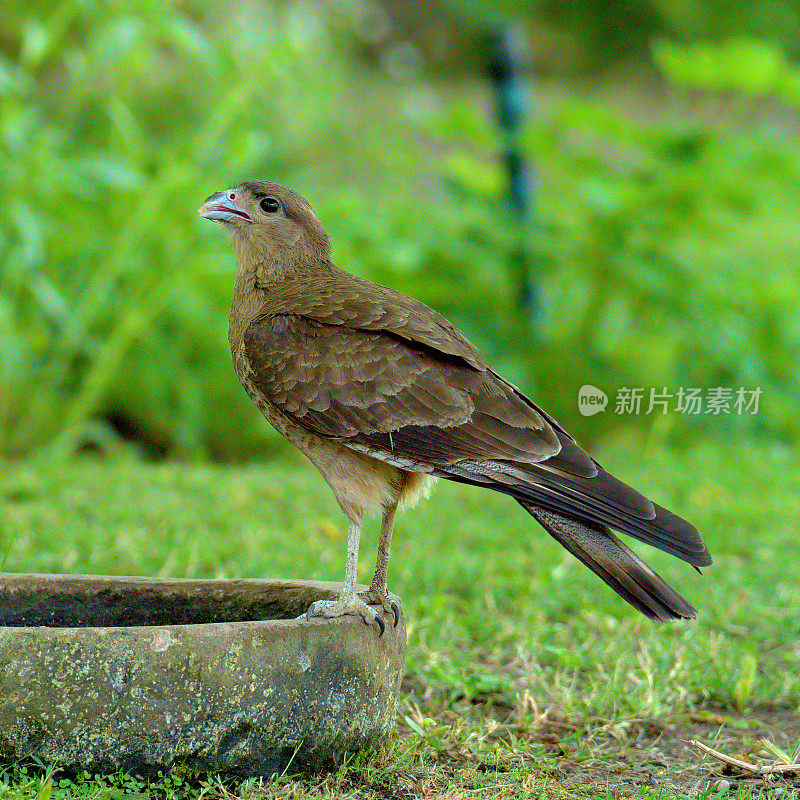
x=384, y=395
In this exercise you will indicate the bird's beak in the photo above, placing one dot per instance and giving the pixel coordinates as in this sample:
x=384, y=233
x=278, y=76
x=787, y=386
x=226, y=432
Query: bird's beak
x=218, y=206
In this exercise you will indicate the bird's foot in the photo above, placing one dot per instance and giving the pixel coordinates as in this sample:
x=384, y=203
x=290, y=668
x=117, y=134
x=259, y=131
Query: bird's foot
x=344, y=606
x=379, y=596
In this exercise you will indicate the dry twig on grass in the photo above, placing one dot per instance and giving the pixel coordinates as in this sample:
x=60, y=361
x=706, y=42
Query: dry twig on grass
x=745, y=766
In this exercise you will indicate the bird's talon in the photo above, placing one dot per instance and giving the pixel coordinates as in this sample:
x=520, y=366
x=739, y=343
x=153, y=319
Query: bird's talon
x=339, y=608
x=380, y=597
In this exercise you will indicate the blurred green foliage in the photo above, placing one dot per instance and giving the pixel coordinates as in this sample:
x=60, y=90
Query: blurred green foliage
x=599, y=37
x=116, y=121
x=665, y=252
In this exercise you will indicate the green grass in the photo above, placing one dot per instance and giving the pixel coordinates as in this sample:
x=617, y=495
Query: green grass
x=525, y=674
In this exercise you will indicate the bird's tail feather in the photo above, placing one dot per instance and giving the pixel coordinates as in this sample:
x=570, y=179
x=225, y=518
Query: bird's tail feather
x=601, y=551
x=598, y=501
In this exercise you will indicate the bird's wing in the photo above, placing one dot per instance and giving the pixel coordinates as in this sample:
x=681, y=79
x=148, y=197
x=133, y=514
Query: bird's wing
x=381, y=391
x=339, y=298
x=408, y=400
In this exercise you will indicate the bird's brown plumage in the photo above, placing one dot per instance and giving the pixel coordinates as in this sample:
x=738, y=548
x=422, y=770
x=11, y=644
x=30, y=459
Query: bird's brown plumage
x=381, y=391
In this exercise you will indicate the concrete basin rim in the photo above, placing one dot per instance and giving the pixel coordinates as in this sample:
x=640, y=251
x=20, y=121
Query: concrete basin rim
x=247, y=625
x=66, y=578
x=60, y=581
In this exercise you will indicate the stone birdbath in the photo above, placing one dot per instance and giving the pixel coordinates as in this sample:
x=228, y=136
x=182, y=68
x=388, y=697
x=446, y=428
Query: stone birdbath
x=139, y=674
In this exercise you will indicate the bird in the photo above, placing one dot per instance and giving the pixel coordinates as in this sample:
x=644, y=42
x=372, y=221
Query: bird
x=384, y=396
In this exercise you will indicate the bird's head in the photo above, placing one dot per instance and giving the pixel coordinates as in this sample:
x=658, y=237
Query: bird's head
x=268, y=222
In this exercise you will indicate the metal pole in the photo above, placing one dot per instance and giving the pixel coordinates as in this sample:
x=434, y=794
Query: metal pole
x=508, y=66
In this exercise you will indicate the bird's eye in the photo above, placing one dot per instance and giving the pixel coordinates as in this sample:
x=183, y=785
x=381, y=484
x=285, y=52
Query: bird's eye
x=270, y=205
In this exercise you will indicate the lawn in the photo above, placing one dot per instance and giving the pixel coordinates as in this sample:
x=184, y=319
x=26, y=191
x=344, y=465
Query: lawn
x=526, y=676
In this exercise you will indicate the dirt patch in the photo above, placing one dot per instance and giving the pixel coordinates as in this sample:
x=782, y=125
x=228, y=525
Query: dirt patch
x=624, y=759
x=577, y=757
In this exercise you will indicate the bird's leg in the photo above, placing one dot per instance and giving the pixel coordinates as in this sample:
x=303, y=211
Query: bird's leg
x=378, y=593
x=348, y=601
